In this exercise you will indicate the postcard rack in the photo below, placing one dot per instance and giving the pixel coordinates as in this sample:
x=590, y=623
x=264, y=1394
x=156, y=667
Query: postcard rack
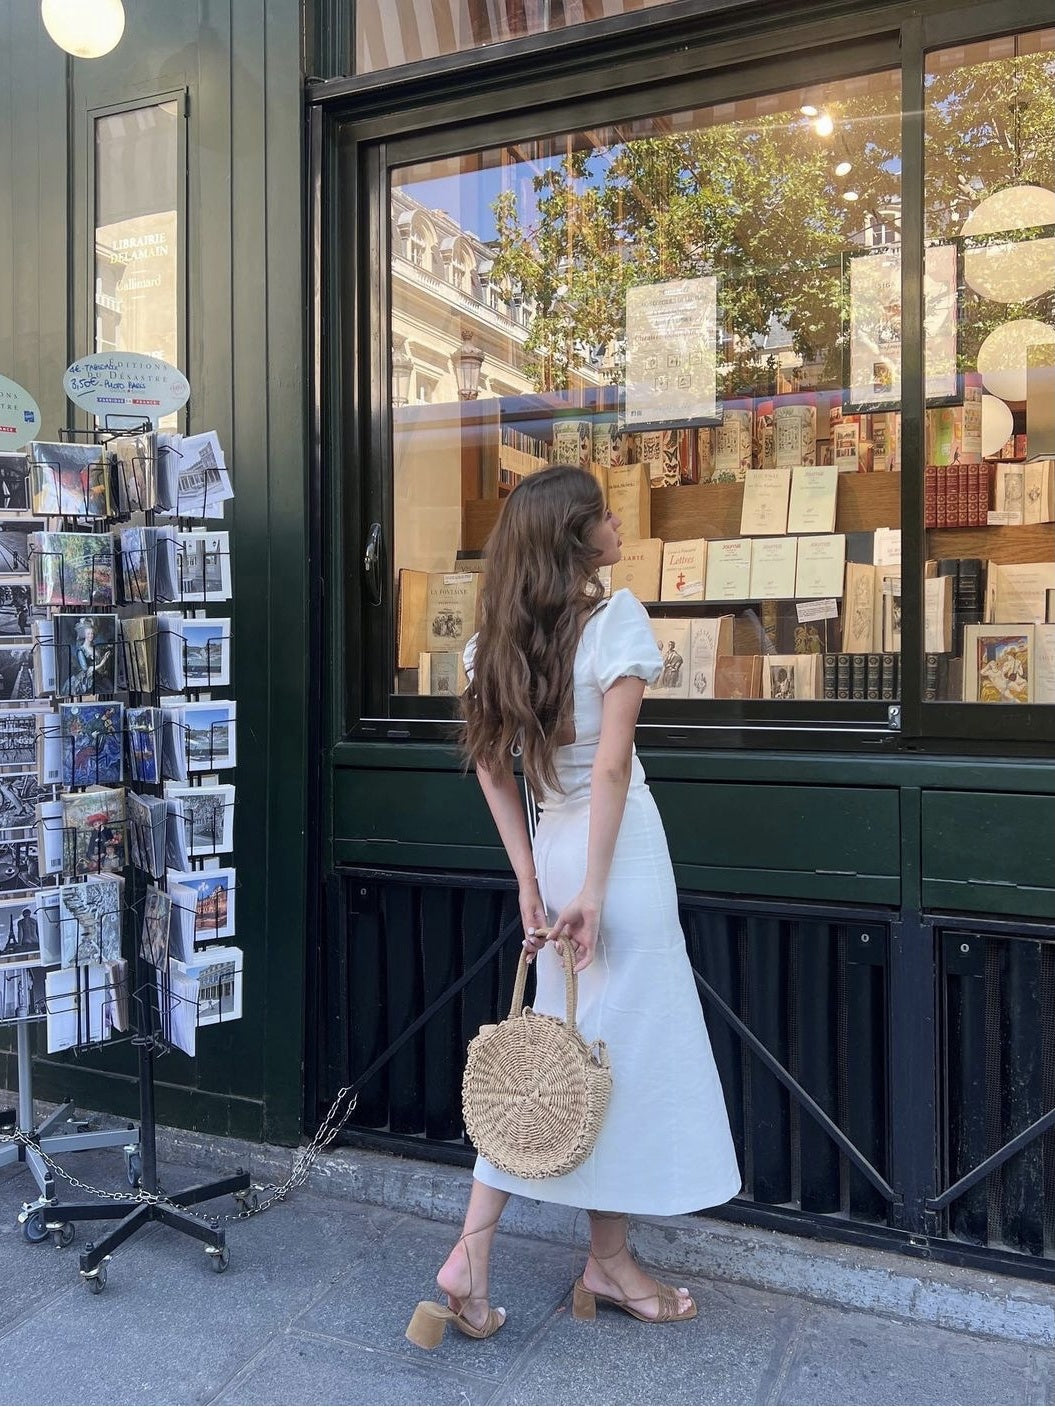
x=108, y=555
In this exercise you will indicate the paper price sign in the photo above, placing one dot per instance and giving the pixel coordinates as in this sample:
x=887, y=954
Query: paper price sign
x=125, y=384
x=19, y=416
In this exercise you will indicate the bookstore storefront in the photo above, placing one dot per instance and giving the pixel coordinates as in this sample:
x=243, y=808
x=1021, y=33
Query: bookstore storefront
x=788, y=291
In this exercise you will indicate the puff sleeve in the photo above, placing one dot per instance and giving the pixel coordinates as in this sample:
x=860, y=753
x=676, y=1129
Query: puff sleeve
x=624, y=643
x=469, y=655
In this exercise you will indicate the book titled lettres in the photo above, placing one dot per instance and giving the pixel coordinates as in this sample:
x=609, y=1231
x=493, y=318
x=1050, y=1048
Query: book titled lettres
x=629, y=498
x=813, y=493
x=765, y=505
x=639, y=568
x=684, y=569
x=450, y=611
x=773, y=562
x=821, y=564
x=728, y=570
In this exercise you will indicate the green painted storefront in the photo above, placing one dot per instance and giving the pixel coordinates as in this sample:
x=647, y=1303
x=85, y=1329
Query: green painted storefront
x=924, y=832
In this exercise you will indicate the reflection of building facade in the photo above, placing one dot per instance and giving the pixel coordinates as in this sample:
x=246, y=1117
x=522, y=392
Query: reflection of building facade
x=442, y=288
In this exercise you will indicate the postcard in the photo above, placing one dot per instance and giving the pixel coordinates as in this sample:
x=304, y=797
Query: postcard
x=18, y=738
x=14, y=546
x=76, y=1000
x=147, y=824
x=207, y=731
x=16, y=671
x=135, y=471
x=73, y=569
x=94, y=831
x=19, y=795
x=70, y=480
x=143, y=730
x=20, y=930
x=23, y=992
x=214, y=906
x=218, y=973
x=209, y=816
x=18, y=864
x=157, y=914
x=178, y=1005
x=85, y=654
x=89, y=916
x=206, y=653
x=18, y=613
x=90, y=739
x=50, y=838
x=15, y=494
x=204, y=566
x=139, y=642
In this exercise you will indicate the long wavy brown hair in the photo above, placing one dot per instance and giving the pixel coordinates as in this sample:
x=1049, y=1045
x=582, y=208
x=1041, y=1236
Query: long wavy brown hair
x=539, y=589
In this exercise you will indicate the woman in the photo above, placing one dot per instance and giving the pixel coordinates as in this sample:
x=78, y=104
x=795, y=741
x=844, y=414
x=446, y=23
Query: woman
x=557, y=677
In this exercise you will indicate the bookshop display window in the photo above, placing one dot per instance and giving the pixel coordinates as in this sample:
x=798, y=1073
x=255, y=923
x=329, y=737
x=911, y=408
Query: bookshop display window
x=702, y=308
x=989, y=476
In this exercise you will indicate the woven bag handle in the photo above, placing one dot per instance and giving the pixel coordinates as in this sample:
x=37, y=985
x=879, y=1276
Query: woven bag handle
x=571, y=982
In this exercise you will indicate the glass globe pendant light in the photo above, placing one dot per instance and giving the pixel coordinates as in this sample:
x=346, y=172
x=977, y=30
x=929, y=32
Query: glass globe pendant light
x=87, y=29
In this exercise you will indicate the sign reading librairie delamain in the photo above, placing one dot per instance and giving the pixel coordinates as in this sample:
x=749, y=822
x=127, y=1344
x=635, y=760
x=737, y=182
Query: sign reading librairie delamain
x=125, y=384
x=671, y=353
x=19, y=416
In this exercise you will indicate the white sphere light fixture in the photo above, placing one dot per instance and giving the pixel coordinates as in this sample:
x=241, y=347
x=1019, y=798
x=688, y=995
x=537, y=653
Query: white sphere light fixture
x=87, y=29
x=1015, y=271
x=997, y=425
x=1003, y=356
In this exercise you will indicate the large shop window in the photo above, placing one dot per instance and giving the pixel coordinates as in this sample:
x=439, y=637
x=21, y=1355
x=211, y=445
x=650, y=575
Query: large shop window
x=702, y=309
x=989, y=486
x=137, y=183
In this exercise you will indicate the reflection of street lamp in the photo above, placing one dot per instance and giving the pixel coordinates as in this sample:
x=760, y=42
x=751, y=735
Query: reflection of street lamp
x=402, y=366
x=467, y=363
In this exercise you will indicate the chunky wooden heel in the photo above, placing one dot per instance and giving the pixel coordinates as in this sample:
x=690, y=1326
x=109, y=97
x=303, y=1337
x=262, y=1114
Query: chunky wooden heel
x=583, y=1302
x=428, y=1324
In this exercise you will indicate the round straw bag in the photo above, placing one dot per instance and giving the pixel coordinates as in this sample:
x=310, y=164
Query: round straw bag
x=534, y=1093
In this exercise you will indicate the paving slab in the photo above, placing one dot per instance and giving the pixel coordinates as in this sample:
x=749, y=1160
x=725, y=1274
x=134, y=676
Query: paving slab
x=730, y=1353
x=374, y=1300
x=850, y=1358
x=298, y=1367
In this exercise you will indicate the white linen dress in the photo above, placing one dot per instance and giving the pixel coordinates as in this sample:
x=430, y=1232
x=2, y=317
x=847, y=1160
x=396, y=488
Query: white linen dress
x=665, y=1146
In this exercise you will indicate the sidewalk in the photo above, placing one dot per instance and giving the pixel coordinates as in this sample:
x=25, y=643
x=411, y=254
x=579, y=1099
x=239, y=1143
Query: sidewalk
x=319, y=1291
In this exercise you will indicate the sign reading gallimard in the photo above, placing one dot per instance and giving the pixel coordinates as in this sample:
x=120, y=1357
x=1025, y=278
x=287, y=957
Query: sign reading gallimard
x=671, y=352
x=19, y=416
x=126, y=385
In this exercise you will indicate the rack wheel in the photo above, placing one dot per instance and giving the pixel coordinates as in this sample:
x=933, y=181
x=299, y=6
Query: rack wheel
x=219, y=1258
x=96, y=1281
x=63, y=1237
x=133, y=1168
x=35, y=1229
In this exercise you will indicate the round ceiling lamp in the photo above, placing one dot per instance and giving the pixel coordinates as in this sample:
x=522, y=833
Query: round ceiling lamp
x=1003, y=355
x=824, y=126
x=998, y=425
x=87, y=29
x=844, y=168
x=1016, y=271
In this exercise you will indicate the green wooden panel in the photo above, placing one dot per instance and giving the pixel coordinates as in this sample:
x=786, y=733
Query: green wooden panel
x=987, y=852
x=434, y=809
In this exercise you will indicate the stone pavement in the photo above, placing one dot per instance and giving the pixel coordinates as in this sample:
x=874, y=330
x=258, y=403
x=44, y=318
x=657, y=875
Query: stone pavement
x=319, y=1290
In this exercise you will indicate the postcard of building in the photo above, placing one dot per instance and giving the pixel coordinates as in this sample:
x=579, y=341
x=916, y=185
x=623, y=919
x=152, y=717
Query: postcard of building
x=204, y=566
x=20, y=930
x=214, y=904
x=208, y=734
x=16, y=671
x=90, y=920
x=18, y=738
x=209, y=816
x=23, y=992
x=18, y=864
x=218, y=972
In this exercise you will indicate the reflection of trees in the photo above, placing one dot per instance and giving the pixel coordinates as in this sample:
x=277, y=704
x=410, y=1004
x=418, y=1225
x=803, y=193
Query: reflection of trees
x=757, y=202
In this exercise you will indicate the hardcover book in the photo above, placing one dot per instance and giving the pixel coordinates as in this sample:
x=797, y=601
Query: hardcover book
x=411, y=616
x=728, y=570
x=450, y=610
x=773, y=562
x=764, y=512
x=1021, y=590
x=937, y=614
x=795, y=435
x=630, y=499
x=640, y=568
x=813, y=495
x=788, y=677
x=738, y=677
x=998, y=664
x=732, y=447
x=673, y=639
x=684, y=570
x=1044, y=664
x=709, y=638
x=820, y=566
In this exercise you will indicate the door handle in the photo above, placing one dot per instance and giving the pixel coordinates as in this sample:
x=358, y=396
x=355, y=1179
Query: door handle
x=372, y=564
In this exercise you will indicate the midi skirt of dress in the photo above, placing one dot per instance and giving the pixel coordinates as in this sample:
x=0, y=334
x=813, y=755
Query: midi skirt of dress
x=665, y=1146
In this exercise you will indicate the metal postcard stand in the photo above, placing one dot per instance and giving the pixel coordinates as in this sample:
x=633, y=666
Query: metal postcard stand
x=131, y=1211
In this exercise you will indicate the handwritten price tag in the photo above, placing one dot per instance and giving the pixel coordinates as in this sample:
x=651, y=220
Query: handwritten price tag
x=125, y=384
